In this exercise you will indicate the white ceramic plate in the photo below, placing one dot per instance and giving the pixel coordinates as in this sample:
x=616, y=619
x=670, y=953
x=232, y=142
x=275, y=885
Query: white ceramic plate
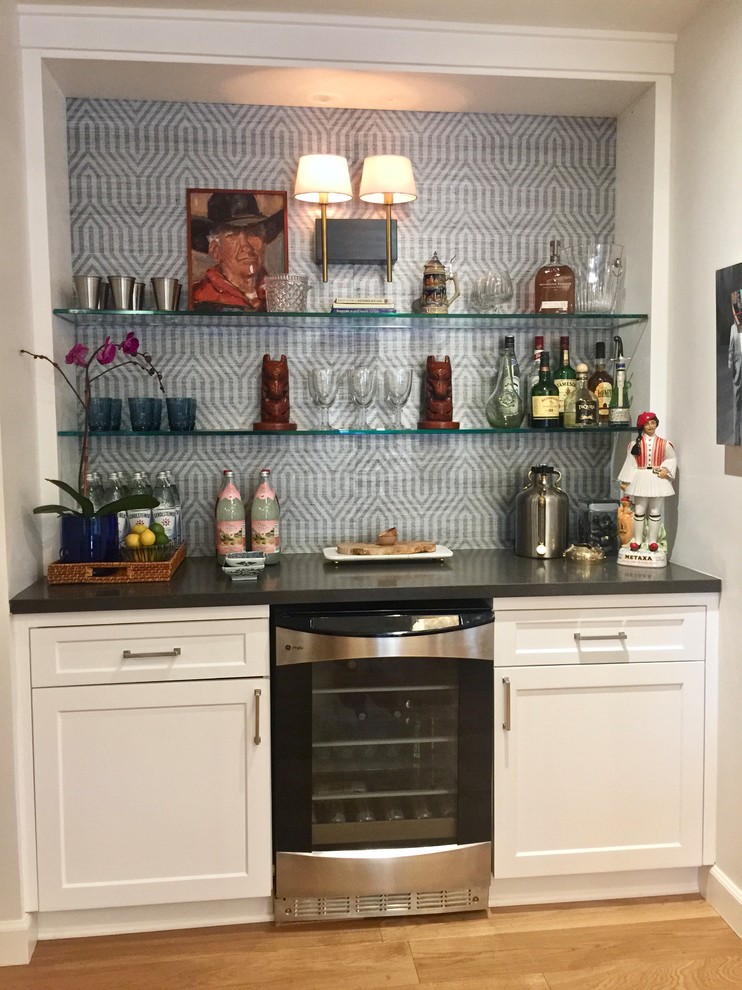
x=440, y=553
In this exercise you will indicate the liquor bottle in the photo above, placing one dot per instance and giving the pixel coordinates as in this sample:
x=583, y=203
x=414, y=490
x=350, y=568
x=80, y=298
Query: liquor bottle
x=265, y=516
x=544, y=398
x=139, y=486
x=538, y=346
x=565, y=377
x=555, y=284
x=619, y=412
x=505, y=406
x=600, y=383
x=582, y=407
x=164, y=513
x=229, y=524
x=115, y=491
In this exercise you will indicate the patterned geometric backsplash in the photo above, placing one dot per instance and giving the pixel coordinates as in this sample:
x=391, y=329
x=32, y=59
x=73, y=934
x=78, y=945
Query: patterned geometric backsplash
x=492, y=190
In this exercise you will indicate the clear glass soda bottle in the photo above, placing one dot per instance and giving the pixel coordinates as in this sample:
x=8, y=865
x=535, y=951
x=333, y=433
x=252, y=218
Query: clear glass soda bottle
x=139, y=486
x=265, y=516
x=178, y=511
x=164, y=513
x=115, y=491
x=94, y=489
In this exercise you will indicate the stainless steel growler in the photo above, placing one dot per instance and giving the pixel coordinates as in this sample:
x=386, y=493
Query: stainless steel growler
x=541, y=514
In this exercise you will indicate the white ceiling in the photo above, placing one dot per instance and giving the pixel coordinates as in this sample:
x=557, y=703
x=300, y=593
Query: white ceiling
x=664, y=16
x=333, y=87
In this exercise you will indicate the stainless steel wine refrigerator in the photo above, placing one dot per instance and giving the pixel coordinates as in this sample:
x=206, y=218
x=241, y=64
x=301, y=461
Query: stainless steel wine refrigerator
x=382, y=759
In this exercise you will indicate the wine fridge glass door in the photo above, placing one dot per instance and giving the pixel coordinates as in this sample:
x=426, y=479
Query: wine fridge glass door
x=385, y=752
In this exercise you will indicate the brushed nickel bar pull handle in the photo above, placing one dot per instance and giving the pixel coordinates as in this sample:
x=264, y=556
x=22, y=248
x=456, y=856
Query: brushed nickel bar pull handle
x=579, y=638
x=506, y=723
x=128, y=655
x=256, y=738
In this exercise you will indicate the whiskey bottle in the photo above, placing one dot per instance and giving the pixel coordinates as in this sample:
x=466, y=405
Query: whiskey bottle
x=555, y=284
x=600, y=384
x=581, y=407
x=565, y=377
x=538, y=346
x=544, y=398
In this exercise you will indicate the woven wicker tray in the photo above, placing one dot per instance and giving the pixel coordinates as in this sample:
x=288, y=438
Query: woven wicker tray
x=120, y=572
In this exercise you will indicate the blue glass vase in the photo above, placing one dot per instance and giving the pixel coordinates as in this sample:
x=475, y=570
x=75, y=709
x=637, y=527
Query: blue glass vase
x=86, y=539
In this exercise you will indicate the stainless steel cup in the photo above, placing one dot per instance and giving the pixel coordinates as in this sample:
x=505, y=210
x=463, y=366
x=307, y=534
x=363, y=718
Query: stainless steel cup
x=87, y=290
x=167, y=293
x=138, y=296
x=122, y=290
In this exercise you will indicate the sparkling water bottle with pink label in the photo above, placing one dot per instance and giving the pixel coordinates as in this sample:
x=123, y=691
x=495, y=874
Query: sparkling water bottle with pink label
x=229, y=527
x=265, y=516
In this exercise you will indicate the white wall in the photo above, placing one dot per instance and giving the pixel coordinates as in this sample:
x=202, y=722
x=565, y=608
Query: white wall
x=18, y=469
x=706, y=190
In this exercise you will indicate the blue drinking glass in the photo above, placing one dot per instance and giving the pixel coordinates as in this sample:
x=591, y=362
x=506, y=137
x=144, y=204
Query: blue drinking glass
x=99, y=414
x=144, y=413
x=181, y=414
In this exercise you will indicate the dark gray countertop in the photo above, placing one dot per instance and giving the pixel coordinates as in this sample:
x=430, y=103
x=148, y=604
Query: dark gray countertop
x=308, y=578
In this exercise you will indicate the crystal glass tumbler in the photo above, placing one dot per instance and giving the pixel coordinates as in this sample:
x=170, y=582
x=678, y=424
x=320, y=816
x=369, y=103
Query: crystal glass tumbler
x=286, y=293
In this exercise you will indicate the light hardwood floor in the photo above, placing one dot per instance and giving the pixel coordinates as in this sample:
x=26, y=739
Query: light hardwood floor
x=658, y=944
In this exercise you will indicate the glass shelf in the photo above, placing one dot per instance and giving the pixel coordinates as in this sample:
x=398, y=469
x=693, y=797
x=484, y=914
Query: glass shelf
x=450, y=321
x=600, y=430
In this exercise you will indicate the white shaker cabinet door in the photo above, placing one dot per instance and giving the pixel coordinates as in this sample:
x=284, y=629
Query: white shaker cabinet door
x=152, y=793
x=598, y=768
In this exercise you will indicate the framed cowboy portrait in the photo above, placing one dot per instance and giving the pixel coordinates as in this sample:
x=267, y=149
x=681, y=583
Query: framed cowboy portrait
x=235, y=238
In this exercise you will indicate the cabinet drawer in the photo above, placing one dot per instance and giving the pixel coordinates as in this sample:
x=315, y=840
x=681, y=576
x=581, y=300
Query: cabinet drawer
x=149, y=652
x=600, y=635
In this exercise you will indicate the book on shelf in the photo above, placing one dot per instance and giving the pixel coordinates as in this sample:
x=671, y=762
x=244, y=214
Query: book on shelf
x=363, y=305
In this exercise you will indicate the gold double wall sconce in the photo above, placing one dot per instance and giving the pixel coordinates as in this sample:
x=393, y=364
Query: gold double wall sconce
x=386, y=180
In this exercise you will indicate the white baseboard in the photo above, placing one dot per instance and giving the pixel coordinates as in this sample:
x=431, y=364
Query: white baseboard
x=17, y=941
x=594, y=887
x=153, y=918
x=725, y=897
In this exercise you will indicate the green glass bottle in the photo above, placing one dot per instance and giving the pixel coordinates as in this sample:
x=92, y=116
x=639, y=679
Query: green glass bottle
x=544, y=398
x=565, y=377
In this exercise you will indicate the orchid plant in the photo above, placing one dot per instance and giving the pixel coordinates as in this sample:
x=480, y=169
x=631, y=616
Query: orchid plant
x=94, y=366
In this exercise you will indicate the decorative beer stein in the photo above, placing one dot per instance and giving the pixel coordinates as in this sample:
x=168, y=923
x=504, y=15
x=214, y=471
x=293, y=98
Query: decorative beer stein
x=434, y=298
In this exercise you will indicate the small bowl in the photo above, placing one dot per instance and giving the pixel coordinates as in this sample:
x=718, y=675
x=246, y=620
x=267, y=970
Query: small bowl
x=388, y=538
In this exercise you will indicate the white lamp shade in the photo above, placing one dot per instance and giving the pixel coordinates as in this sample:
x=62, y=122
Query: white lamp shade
x=387, y=179
x=323, y=179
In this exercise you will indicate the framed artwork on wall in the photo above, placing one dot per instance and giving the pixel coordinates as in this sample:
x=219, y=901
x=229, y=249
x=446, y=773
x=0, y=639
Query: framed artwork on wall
x=235, y=238
x=729, y=356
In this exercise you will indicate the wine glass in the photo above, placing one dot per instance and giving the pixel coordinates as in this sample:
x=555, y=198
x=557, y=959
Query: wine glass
x=361, y=386
x=323, y=388
x=498, y=288
x=397, y=385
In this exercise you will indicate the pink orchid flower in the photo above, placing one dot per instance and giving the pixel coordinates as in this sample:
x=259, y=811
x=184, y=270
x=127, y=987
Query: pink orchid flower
x=107, y=353
x=130, y=344
x=78, y=355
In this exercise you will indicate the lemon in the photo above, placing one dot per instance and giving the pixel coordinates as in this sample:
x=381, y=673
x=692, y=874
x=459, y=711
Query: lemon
x=147, y=538
x=138, y=528
x=132, y=539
